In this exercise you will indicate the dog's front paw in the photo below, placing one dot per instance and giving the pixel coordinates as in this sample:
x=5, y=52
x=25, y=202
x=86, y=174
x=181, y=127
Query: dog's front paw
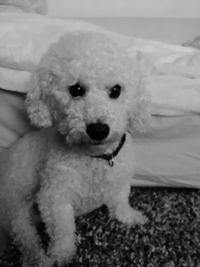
x=130, y=217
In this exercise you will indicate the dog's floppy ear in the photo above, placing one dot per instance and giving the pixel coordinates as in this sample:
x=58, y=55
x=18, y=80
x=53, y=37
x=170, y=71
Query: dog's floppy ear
x=37, y=109
x=139, y=116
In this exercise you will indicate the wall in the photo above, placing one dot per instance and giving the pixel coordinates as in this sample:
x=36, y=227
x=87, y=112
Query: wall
x=130, y=8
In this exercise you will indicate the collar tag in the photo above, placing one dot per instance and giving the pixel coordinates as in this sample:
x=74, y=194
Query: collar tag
x=111, y=162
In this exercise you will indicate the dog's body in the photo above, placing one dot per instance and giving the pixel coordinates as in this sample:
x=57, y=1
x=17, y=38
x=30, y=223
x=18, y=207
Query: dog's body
x=60, y=169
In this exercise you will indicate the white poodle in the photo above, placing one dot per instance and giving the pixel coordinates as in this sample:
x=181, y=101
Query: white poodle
x=87, y=97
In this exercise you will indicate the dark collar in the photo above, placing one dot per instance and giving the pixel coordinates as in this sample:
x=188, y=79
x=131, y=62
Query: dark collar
x=110, y=156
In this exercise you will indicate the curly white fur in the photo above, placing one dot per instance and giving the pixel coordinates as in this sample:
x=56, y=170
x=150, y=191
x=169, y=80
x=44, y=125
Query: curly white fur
x=56, y=167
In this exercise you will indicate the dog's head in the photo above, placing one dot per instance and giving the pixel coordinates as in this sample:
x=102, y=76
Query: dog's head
x=89, y=89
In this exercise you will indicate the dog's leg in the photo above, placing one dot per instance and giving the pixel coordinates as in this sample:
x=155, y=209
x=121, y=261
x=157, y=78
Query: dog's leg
x=121, y=209
x=27, y=238
x=60, y=226
x=63, y=246
x=58, y=214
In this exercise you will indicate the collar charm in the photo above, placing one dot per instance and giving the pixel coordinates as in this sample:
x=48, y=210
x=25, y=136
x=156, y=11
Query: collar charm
x=111, y=162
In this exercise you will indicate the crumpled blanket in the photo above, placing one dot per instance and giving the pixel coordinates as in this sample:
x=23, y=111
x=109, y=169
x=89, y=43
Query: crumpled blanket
x=33, y=6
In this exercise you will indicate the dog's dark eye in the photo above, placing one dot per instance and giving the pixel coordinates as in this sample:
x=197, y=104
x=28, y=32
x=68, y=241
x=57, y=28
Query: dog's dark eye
x=115, y=91
x=77, y=90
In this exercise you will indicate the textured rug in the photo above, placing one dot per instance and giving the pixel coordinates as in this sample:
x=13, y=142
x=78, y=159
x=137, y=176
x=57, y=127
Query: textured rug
x=171, y=237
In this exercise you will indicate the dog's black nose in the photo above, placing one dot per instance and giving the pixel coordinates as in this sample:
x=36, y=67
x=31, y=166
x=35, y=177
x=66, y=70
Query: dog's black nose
x=98, y=131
